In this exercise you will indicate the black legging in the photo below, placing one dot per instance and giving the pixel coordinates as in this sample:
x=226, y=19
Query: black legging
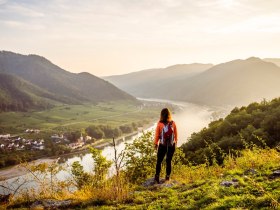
x=162, y=150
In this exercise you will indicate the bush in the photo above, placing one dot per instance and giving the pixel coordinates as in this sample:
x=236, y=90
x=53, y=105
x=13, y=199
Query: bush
x=140, y=158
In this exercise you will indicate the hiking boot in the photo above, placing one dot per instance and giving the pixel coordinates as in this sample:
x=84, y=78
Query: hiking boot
x=156, y=179
x=167, y=178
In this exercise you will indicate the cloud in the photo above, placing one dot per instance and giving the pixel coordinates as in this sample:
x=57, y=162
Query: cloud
x=263, y=24
x=145, y=27
x=21, y=25
x=12, y=23
x=19, y=9
x=2, y=2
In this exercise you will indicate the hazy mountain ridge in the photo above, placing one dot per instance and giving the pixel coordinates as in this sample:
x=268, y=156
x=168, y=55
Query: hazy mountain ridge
x=148, y=83
x=64, y=86
x=236, y=82
x=232, y=83
x=276, y=61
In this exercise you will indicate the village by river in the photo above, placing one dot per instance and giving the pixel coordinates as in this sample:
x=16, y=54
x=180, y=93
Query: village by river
x=189, y=118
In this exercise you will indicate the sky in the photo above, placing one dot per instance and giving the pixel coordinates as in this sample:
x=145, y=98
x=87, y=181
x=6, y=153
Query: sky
x=109, y=37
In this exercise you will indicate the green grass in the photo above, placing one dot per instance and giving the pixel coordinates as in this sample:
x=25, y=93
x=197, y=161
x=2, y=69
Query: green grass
x=196, y=187
x=67, y=117
x=200, y=187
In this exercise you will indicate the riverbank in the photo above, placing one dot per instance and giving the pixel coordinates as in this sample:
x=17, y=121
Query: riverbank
x=19, y=170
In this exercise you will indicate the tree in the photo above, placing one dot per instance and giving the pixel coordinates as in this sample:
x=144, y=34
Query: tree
x=101, y=165
x=73, y=136
x=257, y=124
x=81, y=178
x=126, y=128
x=95, y=132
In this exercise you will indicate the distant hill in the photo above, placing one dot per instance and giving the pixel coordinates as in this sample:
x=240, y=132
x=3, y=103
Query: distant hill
x=276, y=61
x=235, y=83
x=64, y=86
x=149, y=83
x=232, y=83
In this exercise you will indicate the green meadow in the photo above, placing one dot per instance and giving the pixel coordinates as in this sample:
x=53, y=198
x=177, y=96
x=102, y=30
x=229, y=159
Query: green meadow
x=68, y=117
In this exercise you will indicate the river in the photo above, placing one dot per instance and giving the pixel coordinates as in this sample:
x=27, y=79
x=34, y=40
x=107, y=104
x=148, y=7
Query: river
x=189, y=118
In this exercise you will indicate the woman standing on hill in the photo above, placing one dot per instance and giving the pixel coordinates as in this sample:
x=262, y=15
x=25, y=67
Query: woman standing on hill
x=165, y=142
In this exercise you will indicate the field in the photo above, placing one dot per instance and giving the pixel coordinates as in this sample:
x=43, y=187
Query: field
x=71, y=121
x=70, y=117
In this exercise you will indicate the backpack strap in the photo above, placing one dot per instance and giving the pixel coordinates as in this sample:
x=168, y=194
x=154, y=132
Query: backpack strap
x=172, y=138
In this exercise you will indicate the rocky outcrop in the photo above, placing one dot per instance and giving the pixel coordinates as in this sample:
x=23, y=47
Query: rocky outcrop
x=162, y=183
x=250, y=171
x=233, y=182
x=51, y=204
x=275, y=174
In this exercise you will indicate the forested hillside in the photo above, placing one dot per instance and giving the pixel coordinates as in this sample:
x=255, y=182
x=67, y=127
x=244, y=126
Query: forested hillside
x=257, y=123
x=64, y=86
x=19, y=95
